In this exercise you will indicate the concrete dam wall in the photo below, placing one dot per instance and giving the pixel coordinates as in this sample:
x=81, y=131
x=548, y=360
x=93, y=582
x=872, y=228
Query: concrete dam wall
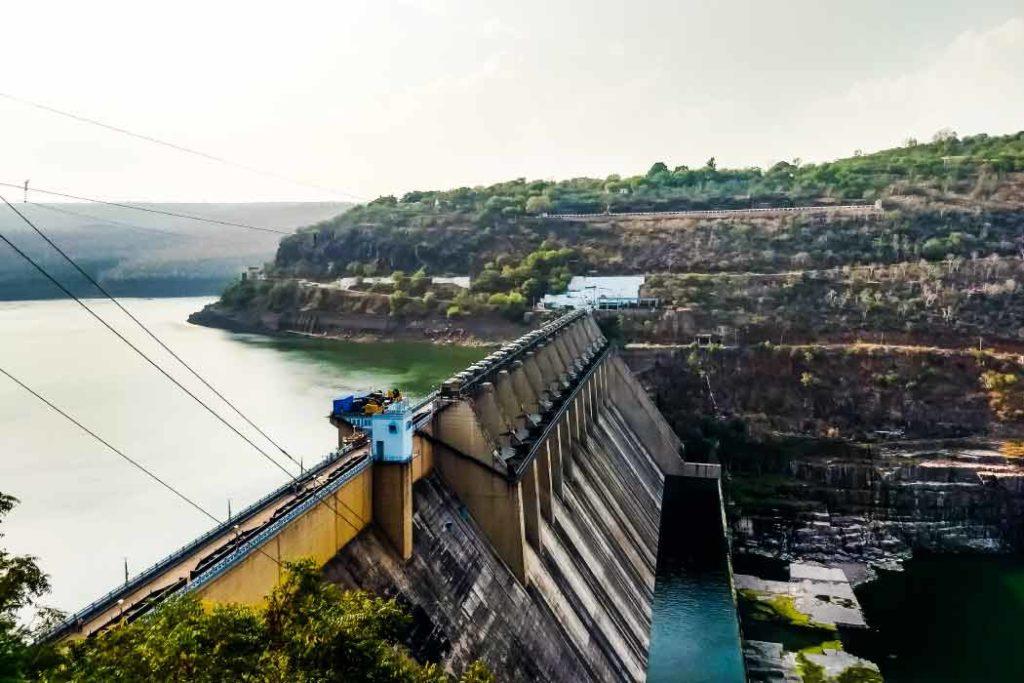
x=543, y=565
x=516, y=512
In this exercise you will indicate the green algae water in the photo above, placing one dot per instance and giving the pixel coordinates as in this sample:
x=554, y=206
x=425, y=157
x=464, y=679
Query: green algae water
x=83, y=511
x=694, y=633
x=945, y=618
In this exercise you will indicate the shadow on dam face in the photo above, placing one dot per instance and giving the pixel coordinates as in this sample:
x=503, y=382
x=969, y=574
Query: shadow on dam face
x=695, y=634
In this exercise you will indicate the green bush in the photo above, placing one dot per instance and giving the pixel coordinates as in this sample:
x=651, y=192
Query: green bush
x=310, y=630
x=398, y=302
x=282, y=294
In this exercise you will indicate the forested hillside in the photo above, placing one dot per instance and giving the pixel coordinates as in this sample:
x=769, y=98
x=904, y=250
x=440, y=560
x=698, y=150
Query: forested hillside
x=930, y=254
x=948, y=196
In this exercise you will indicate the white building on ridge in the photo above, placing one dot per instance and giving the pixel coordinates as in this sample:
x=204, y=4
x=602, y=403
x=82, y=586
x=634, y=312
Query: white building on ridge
x=603, y=292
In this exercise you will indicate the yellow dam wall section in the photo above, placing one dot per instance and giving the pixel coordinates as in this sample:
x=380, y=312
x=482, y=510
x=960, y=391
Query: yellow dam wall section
x=318, y=534
x=381, y=494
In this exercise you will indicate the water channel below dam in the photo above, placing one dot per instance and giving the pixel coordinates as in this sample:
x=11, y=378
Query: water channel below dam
x=695, y=633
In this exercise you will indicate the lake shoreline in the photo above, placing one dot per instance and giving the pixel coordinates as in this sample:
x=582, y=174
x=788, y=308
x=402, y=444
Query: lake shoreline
x=361, y=328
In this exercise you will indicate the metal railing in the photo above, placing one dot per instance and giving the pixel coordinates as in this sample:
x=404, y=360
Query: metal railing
x=275, y=527
x=184, y=551
x=565, y=403
x=429, y=398
x=509, y=353
x=702, y=470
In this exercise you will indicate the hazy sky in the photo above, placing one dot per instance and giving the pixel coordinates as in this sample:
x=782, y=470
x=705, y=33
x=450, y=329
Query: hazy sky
x=382, y=97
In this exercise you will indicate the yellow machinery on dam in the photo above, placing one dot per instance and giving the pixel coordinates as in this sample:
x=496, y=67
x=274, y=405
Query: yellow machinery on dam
x=517, y=509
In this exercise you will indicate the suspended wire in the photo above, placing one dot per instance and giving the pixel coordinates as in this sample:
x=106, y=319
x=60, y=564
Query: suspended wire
x=120, y=336
x=139, y=351
x=140, y=466
x=162, y=482
x=123, y=455
x=110, y=447
x=146, y=329
x=149, y=209
x=180, y=148
x=109, y=221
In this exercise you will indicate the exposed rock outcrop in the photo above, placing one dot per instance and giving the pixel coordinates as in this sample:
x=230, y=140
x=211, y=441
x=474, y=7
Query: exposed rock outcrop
x=882, y=506
x=858, y=391
x=359, y=326
x=794, y=495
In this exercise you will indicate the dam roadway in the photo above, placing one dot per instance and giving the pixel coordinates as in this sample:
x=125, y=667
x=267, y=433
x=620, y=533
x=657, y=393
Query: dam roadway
x=517, y=512
x=176, y=572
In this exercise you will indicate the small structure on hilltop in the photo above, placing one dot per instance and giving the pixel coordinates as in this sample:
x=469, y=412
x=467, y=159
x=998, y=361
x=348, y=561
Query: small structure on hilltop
x=601, y=292
x=253, y=273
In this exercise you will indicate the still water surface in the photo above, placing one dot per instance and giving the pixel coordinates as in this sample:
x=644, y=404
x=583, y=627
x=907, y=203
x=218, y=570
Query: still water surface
x=944, y=619
x=695, y=634
x=84, y=510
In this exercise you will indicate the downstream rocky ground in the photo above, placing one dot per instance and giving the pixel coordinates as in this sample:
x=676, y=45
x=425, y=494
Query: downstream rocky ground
x=877, y=504
x=853, y=461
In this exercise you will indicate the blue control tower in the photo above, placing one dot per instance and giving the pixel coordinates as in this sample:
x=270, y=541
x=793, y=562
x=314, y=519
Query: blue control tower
x=383, y=416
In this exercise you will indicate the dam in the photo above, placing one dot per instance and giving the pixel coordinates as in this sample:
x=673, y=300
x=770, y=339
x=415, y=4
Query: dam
x=517, y=513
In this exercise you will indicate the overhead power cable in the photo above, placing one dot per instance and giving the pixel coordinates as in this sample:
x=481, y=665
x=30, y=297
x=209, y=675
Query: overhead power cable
x=146, y=329
x=120, y=336
x=149, y=473
x=149, y=209
x=110, y=447
x=109, y=221
x=180, y=148
x=141, y=353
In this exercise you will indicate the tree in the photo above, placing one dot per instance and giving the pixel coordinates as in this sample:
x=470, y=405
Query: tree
x=238, y=294
x=282, y=294
x=511, y=305
x=489, y=281
x=309, y=630
x=935, y=248
x=400, y=280
x=533, y=288
x=397, y=301
x=419, y=282
x=22, y=583
x=658, y=168
x=538, y=204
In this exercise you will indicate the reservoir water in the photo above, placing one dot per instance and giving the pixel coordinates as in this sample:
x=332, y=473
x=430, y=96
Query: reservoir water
x=83, y=510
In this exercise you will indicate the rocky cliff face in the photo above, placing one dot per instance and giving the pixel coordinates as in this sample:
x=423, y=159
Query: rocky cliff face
x=880, y=505
x=856, y=391
x=799, y=490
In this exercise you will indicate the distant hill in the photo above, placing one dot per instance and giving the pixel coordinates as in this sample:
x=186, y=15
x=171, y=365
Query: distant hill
x=133, y=253
x=943, y=186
